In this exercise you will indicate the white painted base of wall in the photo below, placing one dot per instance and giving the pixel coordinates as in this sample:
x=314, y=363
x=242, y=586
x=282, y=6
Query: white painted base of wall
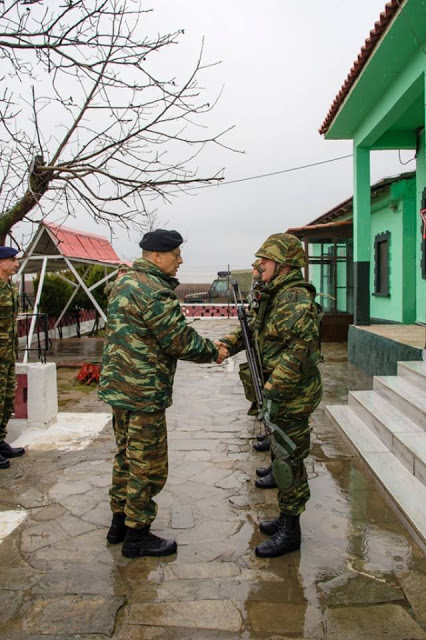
x=42, y=392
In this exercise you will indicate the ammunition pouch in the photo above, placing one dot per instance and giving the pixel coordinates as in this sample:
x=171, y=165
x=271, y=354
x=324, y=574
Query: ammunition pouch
x=247, y=382
x=283, y=474
x=282, y=448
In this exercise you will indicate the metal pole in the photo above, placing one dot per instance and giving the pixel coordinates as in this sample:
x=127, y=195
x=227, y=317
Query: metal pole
x=85, y=289
x=306, y=241
x=74, y=293
x=227, y=281
x=36, y=306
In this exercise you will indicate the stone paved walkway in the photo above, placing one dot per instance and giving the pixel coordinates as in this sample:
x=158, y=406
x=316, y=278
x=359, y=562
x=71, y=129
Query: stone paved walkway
x=358, y=575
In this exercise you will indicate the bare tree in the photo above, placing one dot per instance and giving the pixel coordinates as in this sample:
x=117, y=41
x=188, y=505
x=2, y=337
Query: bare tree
x=85, y=121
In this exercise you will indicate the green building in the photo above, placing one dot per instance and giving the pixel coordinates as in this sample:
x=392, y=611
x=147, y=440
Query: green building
x=329, y=241
x=381, y=106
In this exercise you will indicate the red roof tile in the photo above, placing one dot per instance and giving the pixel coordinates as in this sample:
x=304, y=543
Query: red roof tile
x=375, y=36
x=76, y=244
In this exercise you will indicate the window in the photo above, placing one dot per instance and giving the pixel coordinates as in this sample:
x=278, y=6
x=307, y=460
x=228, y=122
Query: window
x=381, y=264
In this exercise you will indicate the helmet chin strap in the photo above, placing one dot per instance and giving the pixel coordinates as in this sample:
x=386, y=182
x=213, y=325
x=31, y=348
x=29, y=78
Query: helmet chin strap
x=278, y=267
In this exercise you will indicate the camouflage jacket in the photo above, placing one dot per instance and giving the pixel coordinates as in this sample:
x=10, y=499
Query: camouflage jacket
x=8, y=316
x=146, y=334
x=108, y=287
x=288, y=335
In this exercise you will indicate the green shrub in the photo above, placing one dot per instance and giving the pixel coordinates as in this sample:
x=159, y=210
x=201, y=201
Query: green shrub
x=56, y=291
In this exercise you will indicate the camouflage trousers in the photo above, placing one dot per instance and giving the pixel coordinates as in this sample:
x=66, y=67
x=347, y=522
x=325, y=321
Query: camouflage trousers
x=140, y=465
x=7, y=395
x=292, y=417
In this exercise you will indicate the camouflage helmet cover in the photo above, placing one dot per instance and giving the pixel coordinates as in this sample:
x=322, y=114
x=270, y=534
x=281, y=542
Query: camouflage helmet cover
x=256, y=265
x=283, y=248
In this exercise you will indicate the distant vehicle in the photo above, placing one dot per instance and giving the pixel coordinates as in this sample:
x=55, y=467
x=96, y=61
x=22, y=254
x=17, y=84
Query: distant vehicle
x=220, y=289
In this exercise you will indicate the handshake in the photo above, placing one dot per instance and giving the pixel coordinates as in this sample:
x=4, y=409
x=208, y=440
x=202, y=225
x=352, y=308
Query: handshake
x=223, y=351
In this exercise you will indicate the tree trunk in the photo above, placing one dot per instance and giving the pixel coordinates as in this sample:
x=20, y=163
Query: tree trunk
x=39, y=182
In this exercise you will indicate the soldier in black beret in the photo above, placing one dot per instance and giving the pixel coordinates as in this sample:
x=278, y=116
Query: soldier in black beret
x=7, y=252
x=9, y=265
x=161, y=240
x=147, y=334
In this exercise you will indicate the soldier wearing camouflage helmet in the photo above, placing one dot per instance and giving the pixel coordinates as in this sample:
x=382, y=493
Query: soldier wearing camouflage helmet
x=146, y=334
x=256, y=273
x=287, y=340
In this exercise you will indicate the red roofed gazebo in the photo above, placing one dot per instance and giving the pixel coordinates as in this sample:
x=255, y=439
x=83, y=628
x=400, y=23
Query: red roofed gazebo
x=56, y=248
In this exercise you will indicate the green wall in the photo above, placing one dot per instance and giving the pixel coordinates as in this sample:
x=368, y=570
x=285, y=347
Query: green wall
x=421, y=184
x=376, y=355
x=394, y=212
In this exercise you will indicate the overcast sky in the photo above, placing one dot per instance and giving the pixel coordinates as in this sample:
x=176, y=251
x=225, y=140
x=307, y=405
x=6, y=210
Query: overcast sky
x=282, y=64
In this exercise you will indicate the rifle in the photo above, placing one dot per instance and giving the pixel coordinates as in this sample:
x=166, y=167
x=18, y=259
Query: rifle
x=282, y=446
x=251, y=354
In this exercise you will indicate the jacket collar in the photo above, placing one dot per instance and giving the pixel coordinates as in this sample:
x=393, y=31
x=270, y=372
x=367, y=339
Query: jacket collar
x=145, y=266
x=287, y=280
x=5, y=283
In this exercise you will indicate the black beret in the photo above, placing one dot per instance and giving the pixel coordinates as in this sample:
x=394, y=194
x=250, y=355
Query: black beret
x=7, y=252
x=161, y=240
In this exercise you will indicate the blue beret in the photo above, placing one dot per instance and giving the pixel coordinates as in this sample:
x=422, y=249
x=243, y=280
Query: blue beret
x=161, y=240
x=7, y=252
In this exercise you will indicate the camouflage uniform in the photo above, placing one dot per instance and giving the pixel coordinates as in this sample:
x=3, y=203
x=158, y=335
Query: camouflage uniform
x=123, y=268
x=287, y=337
x=146, y=335
x=8, y=351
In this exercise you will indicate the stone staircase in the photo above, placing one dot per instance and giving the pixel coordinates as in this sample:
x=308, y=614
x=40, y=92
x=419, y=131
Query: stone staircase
x=387, y=426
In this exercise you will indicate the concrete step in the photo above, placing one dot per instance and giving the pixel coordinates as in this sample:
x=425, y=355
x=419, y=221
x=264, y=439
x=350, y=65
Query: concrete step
x=414, y=372
x=405, y=439
x=405, y=490
x=404, y=396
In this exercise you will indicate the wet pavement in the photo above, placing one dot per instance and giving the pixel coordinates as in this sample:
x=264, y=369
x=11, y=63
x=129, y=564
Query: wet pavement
x=358, y=575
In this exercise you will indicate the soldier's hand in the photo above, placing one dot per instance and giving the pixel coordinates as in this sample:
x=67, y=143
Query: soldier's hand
x=223, y=352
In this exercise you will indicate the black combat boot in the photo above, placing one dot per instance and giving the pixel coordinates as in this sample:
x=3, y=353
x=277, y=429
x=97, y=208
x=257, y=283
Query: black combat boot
x=261, y=437
x=285, y=540
x=117, y=530
x=261, y=472
x=262, y=445
x=141, y=542
x=4, y=464
x=6, y=451
x=266, y=482
x=269, y=527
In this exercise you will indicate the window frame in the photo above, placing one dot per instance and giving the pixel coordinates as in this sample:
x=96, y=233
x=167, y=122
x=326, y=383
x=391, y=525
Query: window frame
x=379, y=289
